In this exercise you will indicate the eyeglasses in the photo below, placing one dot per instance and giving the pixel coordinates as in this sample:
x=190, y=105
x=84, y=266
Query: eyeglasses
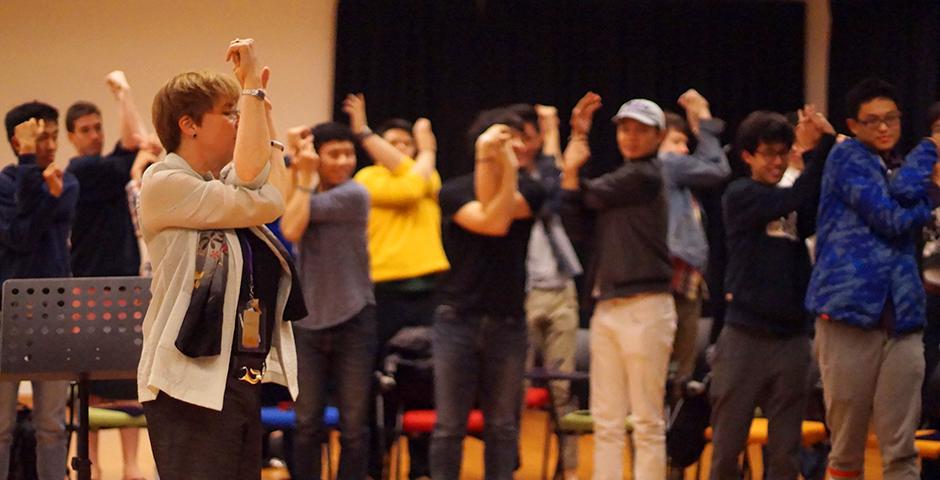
x=890, y=120
x=232, y=115
x=782, y=154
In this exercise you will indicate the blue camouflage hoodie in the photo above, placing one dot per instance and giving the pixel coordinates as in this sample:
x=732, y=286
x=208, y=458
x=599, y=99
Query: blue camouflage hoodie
x=865, y=238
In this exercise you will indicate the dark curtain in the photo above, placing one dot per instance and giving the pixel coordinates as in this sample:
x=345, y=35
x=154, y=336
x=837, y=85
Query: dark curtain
x=897, y=41
x=447, y=60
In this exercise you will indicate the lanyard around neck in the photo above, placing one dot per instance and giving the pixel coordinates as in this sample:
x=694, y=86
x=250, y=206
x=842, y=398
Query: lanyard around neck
x=249, y=263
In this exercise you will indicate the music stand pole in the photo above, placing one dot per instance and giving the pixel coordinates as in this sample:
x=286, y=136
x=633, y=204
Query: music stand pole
x=81, y=462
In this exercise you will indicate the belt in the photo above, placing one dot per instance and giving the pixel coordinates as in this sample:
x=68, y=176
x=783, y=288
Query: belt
x=248, y=374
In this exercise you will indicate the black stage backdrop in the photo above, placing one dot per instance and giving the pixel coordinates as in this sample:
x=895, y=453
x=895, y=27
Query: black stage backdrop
x=897, y=41
x=448, y=59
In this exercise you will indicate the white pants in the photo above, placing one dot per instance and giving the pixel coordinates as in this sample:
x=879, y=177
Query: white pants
x=631, y=340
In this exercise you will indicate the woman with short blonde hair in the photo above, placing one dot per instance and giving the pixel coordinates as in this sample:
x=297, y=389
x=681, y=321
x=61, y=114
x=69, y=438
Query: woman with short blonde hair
x=223, y=286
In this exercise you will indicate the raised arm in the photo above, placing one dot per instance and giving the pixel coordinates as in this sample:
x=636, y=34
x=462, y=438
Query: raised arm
x=750, y=205
x=426, y=143
x=911, y=181
x=548, y=128
x=252, y=142
x=696, y=108
x=708, y=165
x=382, y=152
x=148, y=154
x=133, y=132
x=578, y=151
x=493, y=216
x=172, y=198
x=305, y=181
x=488, y=167
x=280, y=176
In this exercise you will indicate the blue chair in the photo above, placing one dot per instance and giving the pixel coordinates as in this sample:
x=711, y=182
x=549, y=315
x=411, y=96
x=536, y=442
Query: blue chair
x=282, y=417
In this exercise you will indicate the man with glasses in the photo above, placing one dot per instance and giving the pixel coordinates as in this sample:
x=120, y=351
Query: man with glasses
x=762, y=357
x=865, y=289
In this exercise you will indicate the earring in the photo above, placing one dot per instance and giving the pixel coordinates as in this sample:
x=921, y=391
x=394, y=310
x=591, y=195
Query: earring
x=194, y=135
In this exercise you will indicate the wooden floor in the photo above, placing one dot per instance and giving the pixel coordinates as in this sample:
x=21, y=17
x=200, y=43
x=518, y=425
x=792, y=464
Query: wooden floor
x=533, y=428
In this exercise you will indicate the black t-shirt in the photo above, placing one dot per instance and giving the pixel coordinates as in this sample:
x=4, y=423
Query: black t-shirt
x=487, y=274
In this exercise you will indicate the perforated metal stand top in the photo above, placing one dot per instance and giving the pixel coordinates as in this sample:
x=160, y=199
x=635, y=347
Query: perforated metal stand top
x=74, y=329
x=58, y=328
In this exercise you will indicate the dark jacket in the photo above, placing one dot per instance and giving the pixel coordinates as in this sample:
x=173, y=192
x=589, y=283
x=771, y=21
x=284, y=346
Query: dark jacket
x=103, y=239
x=768, y=262
x=627, y=214
x=34, y=225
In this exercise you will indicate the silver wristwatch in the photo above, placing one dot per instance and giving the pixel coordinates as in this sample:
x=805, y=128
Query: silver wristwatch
x=259, y=93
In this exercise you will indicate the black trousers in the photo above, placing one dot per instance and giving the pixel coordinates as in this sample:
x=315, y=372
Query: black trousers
x=195, y=443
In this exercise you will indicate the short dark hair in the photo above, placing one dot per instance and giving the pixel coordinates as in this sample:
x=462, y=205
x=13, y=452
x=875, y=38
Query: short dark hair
x=393, y=123
x=933, y=114
x=526, y=112
x=25, y=111
x=77, y=110
x=866, y=91
x=487, y=118
x=677, y=122
x=763, y=127
x=330, y=131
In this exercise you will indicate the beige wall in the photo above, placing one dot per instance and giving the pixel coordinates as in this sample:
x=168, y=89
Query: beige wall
x=59, y=51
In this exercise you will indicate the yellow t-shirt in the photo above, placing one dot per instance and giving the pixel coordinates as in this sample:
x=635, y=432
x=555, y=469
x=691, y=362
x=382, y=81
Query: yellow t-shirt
x=404, y=223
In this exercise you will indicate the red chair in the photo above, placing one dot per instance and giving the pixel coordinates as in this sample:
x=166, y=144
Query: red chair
x=537, y=398
x=422, y=421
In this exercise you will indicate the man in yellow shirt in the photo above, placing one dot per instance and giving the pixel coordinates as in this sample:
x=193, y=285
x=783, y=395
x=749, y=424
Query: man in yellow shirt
x=404, y=233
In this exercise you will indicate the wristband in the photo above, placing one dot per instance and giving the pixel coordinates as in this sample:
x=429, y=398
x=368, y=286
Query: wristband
x=278, y=145
x=364, y=134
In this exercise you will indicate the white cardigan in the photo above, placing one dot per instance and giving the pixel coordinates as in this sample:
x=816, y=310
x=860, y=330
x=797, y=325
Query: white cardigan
x=176, y=203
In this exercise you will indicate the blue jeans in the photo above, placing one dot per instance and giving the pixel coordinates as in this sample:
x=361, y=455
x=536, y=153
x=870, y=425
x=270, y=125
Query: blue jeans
x=477, y=357
x=49, y=399
x=343, y=356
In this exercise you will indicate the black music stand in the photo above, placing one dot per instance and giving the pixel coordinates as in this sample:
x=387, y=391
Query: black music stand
x=77, y=329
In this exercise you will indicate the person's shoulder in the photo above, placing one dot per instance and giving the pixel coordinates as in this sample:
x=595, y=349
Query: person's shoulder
x=739, y=185
x=121, y=151
x=80, y=163
x=851, y=149
x=8, y=172
x=371, y=171
x=165, y=171
x=8, y=176
x=456, y=191
x=353, y=186
x=68, y=178
x=462, y=182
